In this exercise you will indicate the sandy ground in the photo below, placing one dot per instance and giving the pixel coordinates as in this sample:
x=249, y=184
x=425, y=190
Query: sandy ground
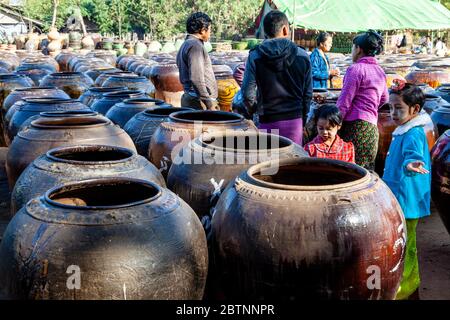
x=433, y=245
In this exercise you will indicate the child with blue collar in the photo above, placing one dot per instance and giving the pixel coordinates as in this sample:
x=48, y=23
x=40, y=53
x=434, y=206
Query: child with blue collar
x=407, y=173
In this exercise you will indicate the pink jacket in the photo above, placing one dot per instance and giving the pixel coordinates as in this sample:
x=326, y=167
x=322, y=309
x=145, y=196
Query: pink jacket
x=364, y=91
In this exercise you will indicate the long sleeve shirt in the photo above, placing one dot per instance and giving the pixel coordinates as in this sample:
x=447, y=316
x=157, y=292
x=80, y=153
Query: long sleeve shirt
x=364, y=91
x=412, y=190
x=196, y=72
x=320, y=69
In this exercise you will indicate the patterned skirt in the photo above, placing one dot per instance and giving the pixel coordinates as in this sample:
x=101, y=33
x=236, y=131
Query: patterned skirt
x=364, y=136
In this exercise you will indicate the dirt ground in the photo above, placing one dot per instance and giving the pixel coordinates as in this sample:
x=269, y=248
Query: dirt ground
x=433, y=245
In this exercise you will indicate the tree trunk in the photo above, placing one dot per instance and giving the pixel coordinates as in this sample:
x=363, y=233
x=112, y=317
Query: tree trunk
x=55, y=11
x=83, y=26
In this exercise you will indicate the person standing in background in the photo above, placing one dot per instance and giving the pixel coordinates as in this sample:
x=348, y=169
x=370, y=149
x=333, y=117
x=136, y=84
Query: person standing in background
x=363, y=93
x=321, y=71
x=278, y=80
x=195, y=67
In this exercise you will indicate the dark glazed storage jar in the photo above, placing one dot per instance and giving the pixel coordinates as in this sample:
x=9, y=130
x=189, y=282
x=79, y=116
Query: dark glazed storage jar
x=314, y=229
x=77, y=163
x=128, y=239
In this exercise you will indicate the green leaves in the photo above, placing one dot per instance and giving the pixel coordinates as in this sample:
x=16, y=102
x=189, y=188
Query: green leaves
x=162, y=19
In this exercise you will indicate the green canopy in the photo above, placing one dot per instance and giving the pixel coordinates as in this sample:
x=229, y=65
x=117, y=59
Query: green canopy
x=361, y=15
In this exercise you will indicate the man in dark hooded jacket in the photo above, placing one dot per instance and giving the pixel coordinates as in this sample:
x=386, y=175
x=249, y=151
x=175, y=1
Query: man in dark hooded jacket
x=278, y=80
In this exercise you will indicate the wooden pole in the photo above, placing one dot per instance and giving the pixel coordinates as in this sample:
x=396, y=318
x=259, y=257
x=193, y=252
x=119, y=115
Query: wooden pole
x=293, y=21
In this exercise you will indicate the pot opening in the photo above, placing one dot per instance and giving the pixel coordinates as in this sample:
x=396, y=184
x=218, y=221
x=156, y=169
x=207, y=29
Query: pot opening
x=124, y=94
x=246, y=142
x=206, y=116
x=304, y=173
x=35, y=89
x=103, y=194
x=90, y=154
x=66, y=74
x=145, y=101
x=70, y=113
x=107, y=89
x=164, y=111
x=68, y=122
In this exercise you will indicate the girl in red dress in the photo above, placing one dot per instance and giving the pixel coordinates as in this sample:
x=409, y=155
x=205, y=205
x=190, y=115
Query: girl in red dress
x=328, y=144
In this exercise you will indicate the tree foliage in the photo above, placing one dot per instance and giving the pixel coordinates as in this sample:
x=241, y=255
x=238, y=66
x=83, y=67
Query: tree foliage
x=161, y=19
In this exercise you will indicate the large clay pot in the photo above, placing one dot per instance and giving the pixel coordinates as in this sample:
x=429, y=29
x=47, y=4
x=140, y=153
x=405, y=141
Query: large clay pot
x=108, y=56
x=122, y=112
x=36, y=71
x=34, y=106
x=426, y=88
x=391, y=76
x=94, y=73
x=73, y=83
x=386, y=126
x=444, y=91
x=440, y=188
x=206, y=165
x=94, y=93
x=35, y=92
x=132, y=83
x=59, y=114
x=166, y=78
x=183, y=126
x=61, y=165
x=106, y=75
x=432, y=102
x=8, y=83
x=226, y=85
x=63, y=59
x=44, y=134
x=130, y=239
x=441, y=118
x=433, y=77
x=313, y=229
x=109, y=99
x=143, y=125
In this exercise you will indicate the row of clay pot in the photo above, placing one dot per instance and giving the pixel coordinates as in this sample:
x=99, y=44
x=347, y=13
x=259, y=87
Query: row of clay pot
x=254, y=227
x=164, y=74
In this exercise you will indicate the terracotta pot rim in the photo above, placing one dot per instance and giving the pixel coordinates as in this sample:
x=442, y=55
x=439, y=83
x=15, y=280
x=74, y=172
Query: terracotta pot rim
x=175, y=117
x=97, y=183
x=365, y=174
x=56, y=153
x=200, y=142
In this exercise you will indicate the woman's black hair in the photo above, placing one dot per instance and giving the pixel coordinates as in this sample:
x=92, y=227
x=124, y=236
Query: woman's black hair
x=329, y=112
x=323, y=36
x=371, y=43
x=411, y=95
x=197, y=22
